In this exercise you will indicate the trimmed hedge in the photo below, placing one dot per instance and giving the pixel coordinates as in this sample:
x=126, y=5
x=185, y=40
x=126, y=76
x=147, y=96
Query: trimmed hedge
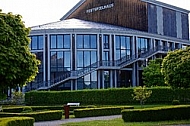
x=103, y=111
x=38, y=116
x=116, y=96
x=17, y=121
x=180, y=112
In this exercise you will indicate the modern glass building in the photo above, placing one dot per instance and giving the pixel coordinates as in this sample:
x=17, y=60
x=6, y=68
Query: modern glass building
x=103, y=44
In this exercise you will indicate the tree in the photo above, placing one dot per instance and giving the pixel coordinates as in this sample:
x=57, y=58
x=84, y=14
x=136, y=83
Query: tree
x=176, y=68
x=141, y=94
x=18, y=65
x=152, y=75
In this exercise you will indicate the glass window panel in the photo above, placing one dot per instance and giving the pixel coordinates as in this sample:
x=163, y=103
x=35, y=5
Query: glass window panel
x=86, y=41
x=93, y=57
x=87, y=78
x=53, y=41
x=123, y=53
x=118, y=54
x=79, y=41
x=59, y=41
x=53, y=58
x=106, y=41
x=94, y=76
x=40, y=42
x=93, y=41
x=34, y=42
x=60, y=59
x=128, y=42
x=123, y=46
x=67, y=41
x=139, y=43
x=67, y=59
x=117, y=42
x=79, y=59
x=106, y=55
x=86, y=58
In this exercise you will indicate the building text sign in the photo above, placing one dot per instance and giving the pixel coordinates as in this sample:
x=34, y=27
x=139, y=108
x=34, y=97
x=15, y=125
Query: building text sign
x=100, y=8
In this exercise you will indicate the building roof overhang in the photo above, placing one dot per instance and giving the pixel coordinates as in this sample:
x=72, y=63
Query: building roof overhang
x=73, y=9
x=158, y=3
x=80, y=26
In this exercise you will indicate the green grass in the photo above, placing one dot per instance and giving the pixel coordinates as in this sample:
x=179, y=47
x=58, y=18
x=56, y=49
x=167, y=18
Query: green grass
x=120, y=122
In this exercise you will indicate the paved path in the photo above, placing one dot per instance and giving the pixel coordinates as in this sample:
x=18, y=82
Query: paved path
x=58, y=122
x=63, y=121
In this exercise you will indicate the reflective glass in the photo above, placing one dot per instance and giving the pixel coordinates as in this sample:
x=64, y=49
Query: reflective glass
x=118, y=54
x=106, y=41
x=128, y=41
x=86, y=41
x=67, y=59
x=93, y=41
x=86, y=58
x=93, y=57
x=40, y=42
x=53, y=58
x=123, y=45
x=117, y=42
x=67, y=41
x=80, y=59
x=106, y=55
x=60, y=59
x=94, y=76
x=59, y=41
x=53, y=41
x=34, y=42
x=79, y=41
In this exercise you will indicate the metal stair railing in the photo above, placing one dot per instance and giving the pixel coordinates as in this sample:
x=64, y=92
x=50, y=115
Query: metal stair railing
x=125, y=60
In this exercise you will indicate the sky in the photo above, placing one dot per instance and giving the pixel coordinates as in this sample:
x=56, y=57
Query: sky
x=38, y=12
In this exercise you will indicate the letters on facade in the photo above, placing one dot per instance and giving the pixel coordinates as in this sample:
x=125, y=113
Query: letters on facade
x=100, y=8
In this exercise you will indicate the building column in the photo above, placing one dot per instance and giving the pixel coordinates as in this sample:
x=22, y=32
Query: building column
x=49, y=55
x=115, y=78
x=134, y=82
x=111, y=78
x=103, y=86
x=99, y=79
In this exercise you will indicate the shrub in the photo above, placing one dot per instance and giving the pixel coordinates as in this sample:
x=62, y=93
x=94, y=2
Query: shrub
x=27, y=109
x=104, y=111
x=38, y=116
x=17, y=121
x=180, y=112
x=175, y=102
x=119, y=96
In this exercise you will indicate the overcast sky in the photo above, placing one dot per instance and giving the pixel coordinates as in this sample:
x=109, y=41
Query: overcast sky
x=37, y=12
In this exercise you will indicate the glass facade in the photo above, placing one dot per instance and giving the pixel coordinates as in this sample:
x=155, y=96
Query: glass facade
x=60, y=41
x=64, y=53
x=60, y=55
x=123, y=46
x=86, y=55
x=142, y=45
x=37, y=42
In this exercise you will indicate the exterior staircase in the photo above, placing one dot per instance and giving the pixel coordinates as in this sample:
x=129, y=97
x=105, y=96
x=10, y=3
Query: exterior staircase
x=117, y=64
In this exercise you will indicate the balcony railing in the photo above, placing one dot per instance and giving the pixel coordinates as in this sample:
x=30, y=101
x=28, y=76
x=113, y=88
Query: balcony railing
x=124, y=61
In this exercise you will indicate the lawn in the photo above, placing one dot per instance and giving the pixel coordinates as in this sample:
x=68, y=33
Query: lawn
x=119, y=122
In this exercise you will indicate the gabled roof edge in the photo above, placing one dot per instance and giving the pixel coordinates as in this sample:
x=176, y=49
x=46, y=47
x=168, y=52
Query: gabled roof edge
x=166, y=5
x=73, y=9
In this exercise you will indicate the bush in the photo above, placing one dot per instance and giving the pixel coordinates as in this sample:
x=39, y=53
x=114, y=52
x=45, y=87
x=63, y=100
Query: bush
x=27, y=109
x=119, y=96
x=175, y=102
x=104, y=111
x=38, y=116
x=180, y=112
x=17, y=121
